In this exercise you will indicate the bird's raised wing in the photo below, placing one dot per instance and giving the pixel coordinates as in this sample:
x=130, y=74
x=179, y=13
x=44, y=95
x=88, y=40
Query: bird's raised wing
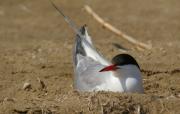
x=84, y=46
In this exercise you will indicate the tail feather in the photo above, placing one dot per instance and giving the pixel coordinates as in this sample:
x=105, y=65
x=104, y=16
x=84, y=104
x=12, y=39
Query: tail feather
x=83, y=30
x=67, y=19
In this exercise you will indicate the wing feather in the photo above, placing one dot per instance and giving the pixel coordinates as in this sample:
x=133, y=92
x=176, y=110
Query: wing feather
x=85, y=47
x=87, y=75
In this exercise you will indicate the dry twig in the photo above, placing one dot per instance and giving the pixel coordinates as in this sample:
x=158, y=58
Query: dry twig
x=116, y=31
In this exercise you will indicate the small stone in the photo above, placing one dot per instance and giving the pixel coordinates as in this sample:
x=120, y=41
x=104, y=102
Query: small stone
x=170, y=44
x=164, y=52
x=27, y=86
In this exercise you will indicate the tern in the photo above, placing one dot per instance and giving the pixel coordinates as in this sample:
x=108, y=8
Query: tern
x=93, y=72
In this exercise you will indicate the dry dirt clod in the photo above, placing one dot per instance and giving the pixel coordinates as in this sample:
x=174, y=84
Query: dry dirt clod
x=39, y=111
x=20, y=111
x=9, y=99
x=27, y=86
x=42, y=84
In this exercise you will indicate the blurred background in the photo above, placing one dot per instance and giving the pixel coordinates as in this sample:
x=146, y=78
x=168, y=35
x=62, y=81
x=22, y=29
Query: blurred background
x=36, y=43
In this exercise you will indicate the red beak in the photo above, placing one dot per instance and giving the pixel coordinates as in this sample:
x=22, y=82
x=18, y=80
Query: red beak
x=109, y=68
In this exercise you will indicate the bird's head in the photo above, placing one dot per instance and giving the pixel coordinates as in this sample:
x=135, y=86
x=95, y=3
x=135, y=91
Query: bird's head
x=119, y=61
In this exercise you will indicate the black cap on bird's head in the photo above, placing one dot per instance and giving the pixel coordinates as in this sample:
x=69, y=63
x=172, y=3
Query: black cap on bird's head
x=120, y=60
x=124, y=59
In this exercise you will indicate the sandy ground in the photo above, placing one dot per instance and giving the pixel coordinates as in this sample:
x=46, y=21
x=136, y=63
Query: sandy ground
x=36, y=44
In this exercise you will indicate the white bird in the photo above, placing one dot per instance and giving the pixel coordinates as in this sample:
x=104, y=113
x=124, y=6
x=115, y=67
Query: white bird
x=94, y=73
